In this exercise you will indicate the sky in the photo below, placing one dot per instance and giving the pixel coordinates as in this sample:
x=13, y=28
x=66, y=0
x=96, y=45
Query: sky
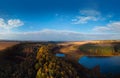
x=59, y=20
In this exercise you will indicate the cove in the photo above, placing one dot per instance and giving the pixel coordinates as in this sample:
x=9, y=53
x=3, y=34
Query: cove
x=107, y=64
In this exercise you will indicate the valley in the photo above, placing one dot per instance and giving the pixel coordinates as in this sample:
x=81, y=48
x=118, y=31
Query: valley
x=39, y=60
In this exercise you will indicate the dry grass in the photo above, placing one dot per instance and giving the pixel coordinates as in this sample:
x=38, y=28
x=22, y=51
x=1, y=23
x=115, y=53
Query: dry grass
x=85, y=42
x=4, y=45
x=69, y=47
x=78, y=43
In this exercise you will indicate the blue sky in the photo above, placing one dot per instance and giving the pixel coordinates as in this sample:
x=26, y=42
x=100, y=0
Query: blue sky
x=59, y=20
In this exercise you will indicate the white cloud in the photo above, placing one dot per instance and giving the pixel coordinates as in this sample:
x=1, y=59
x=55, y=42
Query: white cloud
x=14, y=23
x=86, y=16
x=56, y=35
x=11, y=23
x=2, y=23
x=84, y=19
x=112, y=27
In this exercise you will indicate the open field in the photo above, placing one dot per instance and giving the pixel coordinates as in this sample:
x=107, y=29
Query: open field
x=71, y=47
x=4, y=45
x=86, y=42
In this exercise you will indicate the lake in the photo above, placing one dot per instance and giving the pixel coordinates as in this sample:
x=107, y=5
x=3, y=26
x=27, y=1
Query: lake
x=107, y=64
x=60, y=55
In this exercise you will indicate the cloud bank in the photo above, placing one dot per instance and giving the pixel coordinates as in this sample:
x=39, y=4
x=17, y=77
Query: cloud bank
x=56, y=35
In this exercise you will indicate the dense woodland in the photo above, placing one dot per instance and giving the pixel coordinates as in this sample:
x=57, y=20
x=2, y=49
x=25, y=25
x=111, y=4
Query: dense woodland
x=40, y=62
x=101, y=49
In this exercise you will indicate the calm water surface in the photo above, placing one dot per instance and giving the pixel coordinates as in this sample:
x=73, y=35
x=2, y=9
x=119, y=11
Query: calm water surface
x=60, y=55
x=107, y=64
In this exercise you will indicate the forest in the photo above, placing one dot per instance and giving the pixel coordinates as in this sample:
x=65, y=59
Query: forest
x=110, y=49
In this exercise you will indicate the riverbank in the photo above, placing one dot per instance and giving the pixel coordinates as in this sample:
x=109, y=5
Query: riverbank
x=76, y=57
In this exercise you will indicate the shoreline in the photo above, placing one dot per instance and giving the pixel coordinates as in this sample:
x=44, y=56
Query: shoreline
x=75, y=58
x=101, y=55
